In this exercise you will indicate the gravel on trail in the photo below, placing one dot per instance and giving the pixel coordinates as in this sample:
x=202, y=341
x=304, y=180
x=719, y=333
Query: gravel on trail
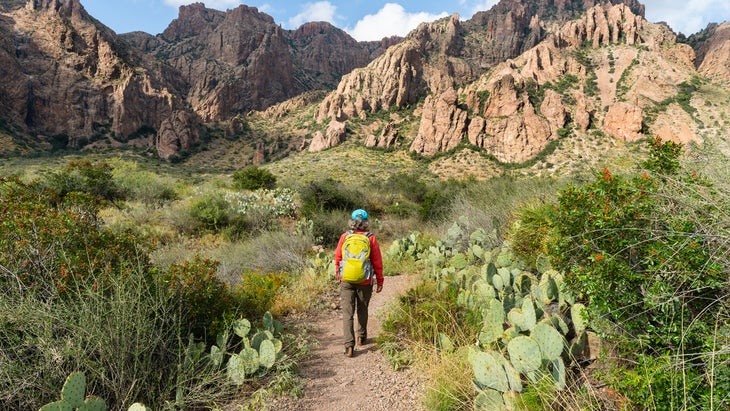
x=364, y=382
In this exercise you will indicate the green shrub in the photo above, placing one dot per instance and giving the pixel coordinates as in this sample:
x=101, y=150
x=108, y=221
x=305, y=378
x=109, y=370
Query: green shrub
x=330, y=195
x=86, y=177
x=75, y=297
x=204, y=299
x=253, y=178
x=257, y=291
x=649, y=256
x=212, y=210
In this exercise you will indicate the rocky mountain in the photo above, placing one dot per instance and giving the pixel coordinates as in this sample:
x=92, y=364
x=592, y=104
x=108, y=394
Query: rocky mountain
x=712, y=48
x=603, y=67
x=510, y=82
x=70, y=81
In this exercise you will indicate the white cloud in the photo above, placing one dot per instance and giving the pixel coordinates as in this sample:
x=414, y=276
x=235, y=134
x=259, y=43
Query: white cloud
x=391, y=20
x=319, y=11
x=211, y=4
x=482, y=5
x=687, y=17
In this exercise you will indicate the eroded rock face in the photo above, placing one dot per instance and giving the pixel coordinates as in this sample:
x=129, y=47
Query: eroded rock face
x=177, y=133
x=442, y=124
x=623, y=121
x=67, y=77
x=387, y=138
x=713, y=54
x=335, y=135
x=515, y=110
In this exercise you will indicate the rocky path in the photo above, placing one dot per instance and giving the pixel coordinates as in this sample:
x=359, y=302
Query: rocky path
x=364, y=382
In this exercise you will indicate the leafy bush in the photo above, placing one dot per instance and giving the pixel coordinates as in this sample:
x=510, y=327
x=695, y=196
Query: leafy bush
x=330, y=195
x=48, y=246
x=204, y=299
x=76, y=297
x=253, y=178
x=212, y=210
x=86, y=177
x=648, y=254
x=256, y=292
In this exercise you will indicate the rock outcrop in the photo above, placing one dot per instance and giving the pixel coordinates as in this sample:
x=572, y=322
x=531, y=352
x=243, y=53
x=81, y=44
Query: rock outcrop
x=223, y=56
x=66, y=77
x=522, y=105
x=387, y=138
x=335, y=135
x=713, y=55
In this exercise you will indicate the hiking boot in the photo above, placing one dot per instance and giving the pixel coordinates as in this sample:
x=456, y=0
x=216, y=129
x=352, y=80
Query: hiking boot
x=348, y=351
x=361, y=340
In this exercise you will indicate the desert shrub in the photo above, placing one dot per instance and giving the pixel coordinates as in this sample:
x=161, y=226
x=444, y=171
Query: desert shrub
x=649, y=256
x=529, y=233
x=424, y=312
x=204, y=299
x=49, y=245
x=410, y=186
x=267, y=252
x=257, y=291
x=76, y=297
x=328, y=226
x=330, y=195
x=212, y=210
x=253, y=178
x=144, y=186
x=86, y=177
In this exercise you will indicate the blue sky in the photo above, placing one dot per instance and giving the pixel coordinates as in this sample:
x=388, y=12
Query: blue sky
x=372, y=19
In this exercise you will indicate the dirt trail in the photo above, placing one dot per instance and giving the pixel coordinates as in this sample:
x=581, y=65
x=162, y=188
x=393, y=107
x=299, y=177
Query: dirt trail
x=363, y=382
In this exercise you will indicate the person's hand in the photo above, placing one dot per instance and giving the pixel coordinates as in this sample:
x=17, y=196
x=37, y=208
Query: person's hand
x=379, y=288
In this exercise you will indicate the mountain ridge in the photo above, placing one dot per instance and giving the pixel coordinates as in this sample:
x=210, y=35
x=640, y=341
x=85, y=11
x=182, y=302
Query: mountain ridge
x=170, y=92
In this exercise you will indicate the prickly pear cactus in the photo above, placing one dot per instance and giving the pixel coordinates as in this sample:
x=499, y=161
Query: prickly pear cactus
x=267, y=354
x=489, y=400
x=242, y=327
x=524, y=354
x=93, y=404
x=488, y=372
x=579, y=315
x=57, y=406
x=74, y=389
x=72, y=396
x=549, y=339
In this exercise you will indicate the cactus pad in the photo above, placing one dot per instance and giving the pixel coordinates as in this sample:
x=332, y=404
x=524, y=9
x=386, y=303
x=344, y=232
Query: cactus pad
x=579, y=315
x=74, y=389
x=489, y=400
x=549, y=339
x=267, y=354
x=557, y=368
x=488, y=372
x=524, y=353
x=242, y=327
x=57, y=406
x=93, y=404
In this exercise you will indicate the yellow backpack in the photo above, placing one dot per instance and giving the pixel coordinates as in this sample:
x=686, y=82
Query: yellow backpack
x=355, y=266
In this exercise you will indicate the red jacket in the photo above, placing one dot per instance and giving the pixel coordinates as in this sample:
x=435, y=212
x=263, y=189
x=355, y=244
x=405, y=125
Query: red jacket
x=376, y=259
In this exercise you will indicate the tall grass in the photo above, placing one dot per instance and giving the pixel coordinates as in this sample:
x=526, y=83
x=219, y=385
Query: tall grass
x=121, y=339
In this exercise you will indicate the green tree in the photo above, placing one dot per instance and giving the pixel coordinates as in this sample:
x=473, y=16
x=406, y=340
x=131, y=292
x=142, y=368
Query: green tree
x=253, y=178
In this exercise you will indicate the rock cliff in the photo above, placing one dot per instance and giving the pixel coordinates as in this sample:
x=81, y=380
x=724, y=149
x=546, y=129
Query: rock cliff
x=71, y=80
x=439, y=57
x=713, y=52
x=67, y=77
x=564, y=82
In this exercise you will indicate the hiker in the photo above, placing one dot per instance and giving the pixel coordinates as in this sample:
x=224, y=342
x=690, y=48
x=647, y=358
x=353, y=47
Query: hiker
x=357, y=261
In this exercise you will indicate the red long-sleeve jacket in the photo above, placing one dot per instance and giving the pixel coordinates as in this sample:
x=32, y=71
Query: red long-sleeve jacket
x=376, y=259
